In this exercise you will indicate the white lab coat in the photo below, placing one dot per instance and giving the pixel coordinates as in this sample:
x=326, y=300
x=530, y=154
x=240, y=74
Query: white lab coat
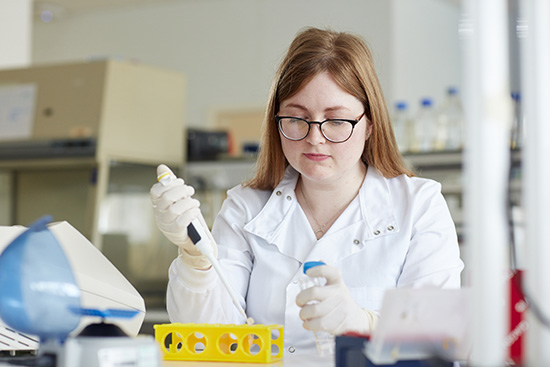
x=397, y=232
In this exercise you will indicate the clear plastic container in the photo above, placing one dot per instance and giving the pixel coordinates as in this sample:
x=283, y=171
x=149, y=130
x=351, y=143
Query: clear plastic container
x=424, y=127
x=450, y=122
x=402, y=124
x=323, y=339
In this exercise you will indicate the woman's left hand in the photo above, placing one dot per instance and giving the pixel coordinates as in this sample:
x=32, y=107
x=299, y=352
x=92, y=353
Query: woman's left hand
x=331, y=307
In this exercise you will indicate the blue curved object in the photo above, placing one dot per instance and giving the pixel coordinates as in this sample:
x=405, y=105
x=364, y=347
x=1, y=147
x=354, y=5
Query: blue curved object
x=38, y=285
x=311, y=264
x=105, y=314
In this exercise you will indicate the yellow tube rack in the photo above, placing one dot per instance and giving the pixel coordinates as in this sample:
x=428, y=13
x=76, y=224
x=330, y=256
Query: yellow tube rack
x=220, y=342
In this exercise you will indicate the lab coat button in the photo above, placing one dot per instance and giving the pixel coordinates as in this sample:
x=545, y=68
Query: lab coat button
x=289, y=197
x=278, y=193
x=376, y=233
x=390, y=228
x=291, y=349
x=356, y=241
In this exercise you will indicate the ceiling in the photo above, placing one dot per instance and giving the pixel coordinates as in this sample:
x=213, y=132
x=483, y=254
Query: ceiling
x=61, y=8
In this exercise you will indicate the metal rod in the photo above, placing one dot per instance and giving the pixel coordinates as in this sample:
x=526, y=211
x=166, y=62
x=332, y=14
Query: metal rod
x=536, y=170
x=486, y=155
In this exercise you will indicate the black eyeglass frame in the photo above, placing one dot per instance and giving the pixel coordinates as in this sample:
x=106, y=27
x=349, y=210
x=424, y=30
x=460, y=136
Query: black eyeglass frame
x=320, y=123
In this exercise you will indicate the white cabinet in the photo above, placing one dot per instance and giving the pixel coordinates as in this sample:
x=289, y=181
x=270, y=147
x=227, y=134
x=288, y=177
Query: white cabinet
x=99, y=130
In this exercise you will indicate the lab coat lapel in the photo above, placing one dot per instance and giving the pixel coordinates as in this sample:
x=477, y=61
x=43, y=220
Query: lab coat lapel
x=335, y=246
x=282, y=223
x=369, y=218
x=377, y=206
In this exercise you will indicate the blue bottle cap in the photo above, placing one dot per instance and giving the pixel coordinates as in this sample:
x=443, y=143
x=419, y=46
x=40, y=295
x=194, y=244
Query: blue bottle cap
x=426, y=102
x=452, y=90
x=401, y=105
x=311, y=264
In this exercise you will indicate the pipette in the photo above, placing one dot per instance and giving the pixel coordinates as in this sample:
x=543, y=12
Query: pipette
x=202, y=242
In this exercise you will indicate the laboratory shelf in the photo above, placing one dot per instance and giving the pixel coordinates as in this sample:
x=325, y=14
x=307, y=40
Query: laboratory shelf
x=213, y=178
x=446, y=167
x=47, y=163
x=434, y=160
x=445, y=160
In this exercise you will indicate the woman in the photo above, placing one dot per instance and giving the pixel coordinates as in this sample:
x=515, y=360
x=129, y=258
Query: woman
x=330, y=185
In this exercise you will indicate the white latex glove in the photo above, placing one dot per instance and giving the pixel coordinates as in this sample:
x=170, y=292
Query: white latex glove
x=174, y=209
x=331, y=307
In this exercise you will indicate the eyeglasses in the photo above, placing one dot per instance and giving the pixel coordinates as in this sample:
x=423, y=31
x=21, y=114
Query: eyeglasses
x=334, y=130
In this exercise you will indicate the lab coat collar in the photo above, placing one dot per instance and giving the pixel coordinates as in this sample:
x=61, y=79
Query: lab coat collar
x=282, y=223
x=377, y=206
x=276, y=222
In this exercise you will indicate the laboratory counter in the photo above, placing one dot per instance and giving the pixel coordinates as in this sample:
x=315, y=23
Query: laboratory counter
x=288, y=361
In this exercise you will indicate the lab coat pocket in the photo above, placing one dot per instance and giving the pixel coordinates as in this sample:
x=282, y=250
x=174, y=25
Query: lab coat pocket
x=368, y=297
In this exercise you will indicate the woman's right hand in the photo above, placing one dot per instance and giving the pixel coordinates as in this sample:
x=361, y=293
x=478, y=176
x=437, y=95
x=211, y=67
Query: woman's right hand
x=174, y=209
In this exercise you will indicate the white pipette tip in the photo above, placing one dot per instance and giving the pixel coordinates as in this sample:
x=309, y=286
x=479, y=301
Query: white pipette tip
x=202, y=242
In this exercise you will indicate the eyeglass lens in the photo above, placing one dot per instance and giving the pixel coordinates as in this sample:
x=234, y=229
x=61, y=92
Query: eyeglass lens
x=333, y=130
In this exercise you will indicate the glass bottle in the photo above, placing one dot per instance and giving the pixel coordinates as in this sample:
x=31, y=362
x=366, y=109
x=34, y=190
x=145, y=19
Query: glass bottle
x=450, y=122
x=424, y=127
x=402, y=126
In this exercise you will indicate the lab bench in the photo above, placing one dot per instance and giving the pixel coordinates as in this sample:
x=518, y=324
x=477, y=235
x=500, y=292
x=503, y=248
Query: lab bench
x=288, y=361
x=306, y=361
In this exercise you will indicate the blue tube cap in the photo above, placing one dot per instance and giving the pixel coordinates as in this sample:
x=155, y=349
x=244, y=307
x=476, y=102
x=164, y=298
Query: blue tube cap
x=311, y=264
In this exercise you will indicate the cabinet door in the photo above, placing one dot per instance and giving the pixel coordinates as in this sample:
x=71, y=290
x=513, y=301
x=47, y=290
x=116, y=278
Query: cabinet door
x=66, y=194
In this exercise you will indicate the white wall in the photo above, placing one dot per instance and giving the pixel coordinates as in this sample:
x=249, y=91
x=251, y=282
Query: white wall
x=15, y=33
x=425, y=50
x=229, y=49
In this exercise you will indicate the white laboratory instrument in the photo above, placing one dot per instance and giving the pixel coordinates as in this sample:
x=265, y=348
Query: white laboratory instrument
x=83, y=310
x=422, y=323
x=103, y=344
x=100, y=282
